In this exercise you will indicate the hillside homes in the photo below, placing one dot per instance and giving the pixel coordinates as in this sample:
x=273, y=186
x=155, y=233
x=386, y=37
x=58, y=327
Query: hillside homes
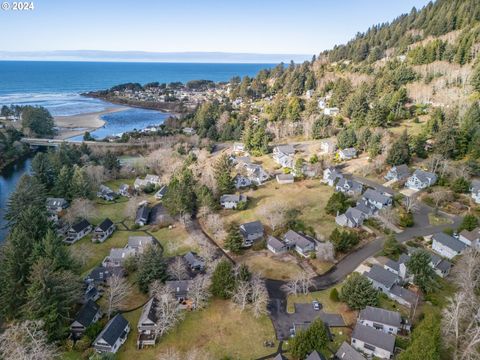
x=421, y=179
x=283, y=155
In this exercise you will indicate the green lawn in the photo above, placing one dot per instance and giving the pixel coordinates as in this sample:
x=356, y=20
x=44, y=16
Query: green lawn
x=438, y=220
x=219, y=329
x=115, y=211
x=115, y=184
x=175, y=241
x=271, y=266
x=308, y=196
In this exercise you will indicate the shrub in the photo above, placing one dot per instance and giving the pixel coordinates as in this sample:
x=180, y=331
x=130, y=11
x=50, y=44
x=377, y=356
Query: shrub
x=334, y=296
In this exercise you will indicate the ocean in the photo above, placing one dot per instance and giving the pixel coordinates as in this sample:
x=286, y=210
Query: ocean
x=57, y=86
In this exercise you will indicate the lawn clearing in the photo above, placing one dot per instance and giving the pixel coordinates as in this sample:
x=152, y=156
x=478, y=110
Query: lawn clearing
x=438, y=220
x=308, y=196
x=280, y=267
x=115, y=211
x=175, y=241
x=220, y=330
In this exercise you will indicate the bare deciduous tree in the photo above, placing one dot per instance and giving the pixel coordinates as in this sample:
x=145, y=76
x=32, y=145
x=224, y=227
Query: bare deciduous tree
x=82, y=253
x=241, y=296
x=389, y=214
x=326, y=251
x=97, y=174
x=130, y=209
x=117, y=291
x=461, y=317
x=275, y=213
x=441, y=196
x=216, y=226
x=199, y=292
x=80, y=209
x=305, y=282
x=411, y=204
x=27, y=341
x=259, y=297
x=177, y=269
x=167, y=309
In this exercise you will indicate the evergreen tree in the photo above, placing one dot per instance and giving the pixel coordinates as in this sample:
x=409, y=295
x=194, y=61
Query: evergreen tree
x=314, y=338
x=63, y=184
x=338, y=203
x=110, y=162
x=392, y=248
x=358, y=292
x=38, y=120
x=343, y=240
x=399, y=153
x=346, y=138
x=475, y=78
x=423, y=274
x=180, y=198
x=51, y=296
x=234, y=240
x=426, y=340
x=223, y=175
x=469, y=223
x=151, y=267
x=81, y=184
x=43, y=170
x=51, y=247
x=223, y=280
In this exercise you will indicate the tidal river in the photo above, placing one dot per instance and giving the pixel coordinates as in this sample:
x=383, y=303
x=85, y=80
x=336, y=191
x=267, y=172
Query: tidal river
x=9, y=177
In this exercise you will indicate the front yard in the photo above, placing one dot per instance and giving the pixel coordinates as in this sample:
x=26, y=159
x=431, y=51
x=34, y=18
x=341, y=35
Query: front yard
x=308, y=196
x=220, y=329
x=263, y=262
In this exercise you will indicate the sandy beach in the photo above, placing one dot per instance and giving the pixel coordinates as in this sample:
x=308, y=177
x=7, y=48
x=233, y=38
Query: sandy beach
x=75, y=125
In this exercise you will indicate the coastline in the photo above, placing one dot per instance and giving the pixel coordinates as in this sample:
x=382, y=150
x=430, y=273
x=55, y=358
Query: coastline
x=74, y=125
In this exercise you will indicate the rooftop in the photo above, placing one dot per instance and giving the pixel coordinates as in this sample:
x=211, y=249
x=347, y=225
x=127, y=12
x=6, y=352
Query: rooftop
x=374, y=337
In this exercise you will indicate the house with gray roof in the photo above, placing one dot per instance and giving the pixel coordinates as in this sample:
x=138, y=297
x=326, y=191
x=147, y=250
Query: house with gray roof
x=56, y=205
x=231, y=201
x=194, y=262
x=377, y=199
x=397, y=173
x=347, y=352
x=285, y=179
x=373, y=342
x=331, y=176
x=251, y=232
x=446, y=245
x=349, y=187
x=398, y=267
x=381, y=279
x=140, y=243
x=88, y=314
x=403, y=296
x=118, y=256
x=113, y=335
x=105, y=193
x=100, y=274
x=142, y=215
x=439, y=264
x=470, y=238
x=161, y=192
x=78, y=231
x=366, y=208
x=147, y=325
x=315, y=355
x=352, y=218
x=242, y=182
x=180, y=288
x=347, y=154
x=103, y=230
x=420, y=180
x=276, y=246
x=390, y=322
x=328, y=146
x=302, y=243
x=257, y=174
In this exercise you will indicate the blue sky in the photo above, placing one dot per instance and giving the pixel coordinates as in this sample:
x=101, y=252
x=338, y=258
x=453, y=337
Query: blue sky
x=259, y=26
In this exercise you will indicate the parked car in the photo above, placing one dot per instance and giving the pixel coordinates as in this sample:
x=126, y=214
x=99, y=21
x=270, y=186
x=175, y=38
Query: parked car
x=316, y=305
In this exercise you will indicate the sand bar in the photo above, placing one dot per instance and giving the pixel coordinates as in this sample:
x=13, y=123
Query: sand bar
x=75, y=125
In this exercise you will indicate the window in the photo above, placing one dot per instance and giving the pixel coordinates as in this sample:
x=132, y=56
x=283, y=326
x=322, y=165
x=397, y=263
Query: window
x=369, y=347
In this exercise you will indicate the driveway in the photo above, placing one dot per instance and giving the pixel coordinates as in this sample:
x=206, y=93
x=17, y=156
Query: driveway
x=304, y=314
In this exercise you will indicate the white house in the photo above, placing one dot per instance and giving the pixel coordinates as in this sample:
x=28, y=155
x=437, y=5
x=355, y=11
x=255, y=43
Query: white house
x=78, y=231
x=420, y=180
x=373, y=342
x=303, y=244
x=352, y=218
x=276, y=246
x=349, y=187
x=89, y=313
x=231, y=201
x=103, y=230
x=330, y=176
x=347, y=352
x=251, y=232
x=238, y=147
x=113, y=335
x=347, y=154
x=475, y=190
x=470, y=238
x=256, y=174
x=328, y=146
x=446, y=245
x=398, y=173
x=389, y=322
x=283, y=155
x=242, y=182
x=333, y=111
x=285, y=179
x=377, y=199
x=147, y=325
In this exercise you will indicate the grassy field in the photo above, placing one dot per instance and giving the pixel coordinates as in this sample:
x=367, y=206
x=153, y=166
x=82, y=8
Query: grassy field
x=115, y=211
x=438, y=220
x=271, y=266
x=96, y=252
x=309, y=196
x=175, y=241
x=219, y=329
x=115, y=184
